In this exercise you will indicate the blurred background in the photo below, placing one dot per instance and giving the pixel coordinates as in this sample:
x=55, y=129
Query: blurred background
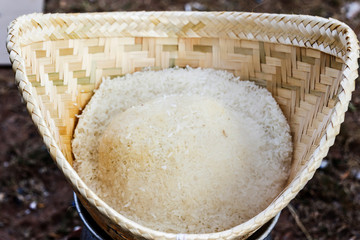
x=36, y=200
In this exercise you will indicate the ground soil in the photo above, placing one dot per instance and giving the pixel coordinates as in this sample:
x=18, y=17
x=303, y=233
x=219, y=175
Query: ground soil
x=36, y=200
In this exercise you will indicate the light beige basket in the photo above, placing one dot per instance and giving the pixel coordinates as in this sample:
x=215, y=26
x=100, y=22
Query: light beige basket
x=309, y=64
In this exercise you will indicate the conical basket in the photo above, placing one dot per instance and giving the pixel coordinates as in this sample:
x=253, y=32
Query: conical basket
x=308, y=63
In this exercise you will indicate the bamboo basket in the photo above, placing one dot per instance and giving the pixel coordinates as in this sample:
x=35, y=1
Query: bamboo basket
x=308, y=63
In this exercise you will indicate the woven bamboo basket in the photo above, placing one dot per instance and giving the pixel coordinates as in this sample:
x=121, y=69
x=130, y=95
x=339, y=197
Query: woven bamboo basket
x=308, y=63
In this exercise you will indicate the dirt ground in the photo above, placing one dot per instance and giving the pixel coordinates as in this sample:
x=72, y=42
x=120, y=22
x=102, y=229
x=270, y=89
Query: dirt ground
x=36, y=200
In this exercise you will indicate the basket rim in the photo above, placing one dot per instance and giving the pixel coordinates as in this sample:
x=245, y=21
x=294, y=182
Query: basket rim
x=305, y=24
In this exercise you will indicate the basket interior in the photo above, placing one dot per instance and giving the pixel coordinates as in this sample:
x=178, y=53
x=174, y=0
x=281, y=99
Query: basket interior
x=304, y=82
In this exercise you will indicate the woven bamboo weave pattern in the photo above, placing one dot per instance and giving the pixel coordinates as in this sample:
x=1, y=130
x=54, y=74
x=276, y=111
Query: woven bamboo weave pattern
x=58, y=70
x=309, y=64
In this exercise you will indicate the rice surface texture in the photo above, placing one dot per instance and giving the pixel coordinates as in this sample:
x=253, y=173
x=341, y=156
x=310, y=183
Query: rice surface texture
x=183, y=150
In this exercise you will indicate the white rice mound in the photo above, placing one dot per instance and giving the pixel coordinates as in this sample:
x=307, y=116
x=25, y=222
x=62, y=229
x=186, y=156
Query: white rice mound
x=183, y=150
